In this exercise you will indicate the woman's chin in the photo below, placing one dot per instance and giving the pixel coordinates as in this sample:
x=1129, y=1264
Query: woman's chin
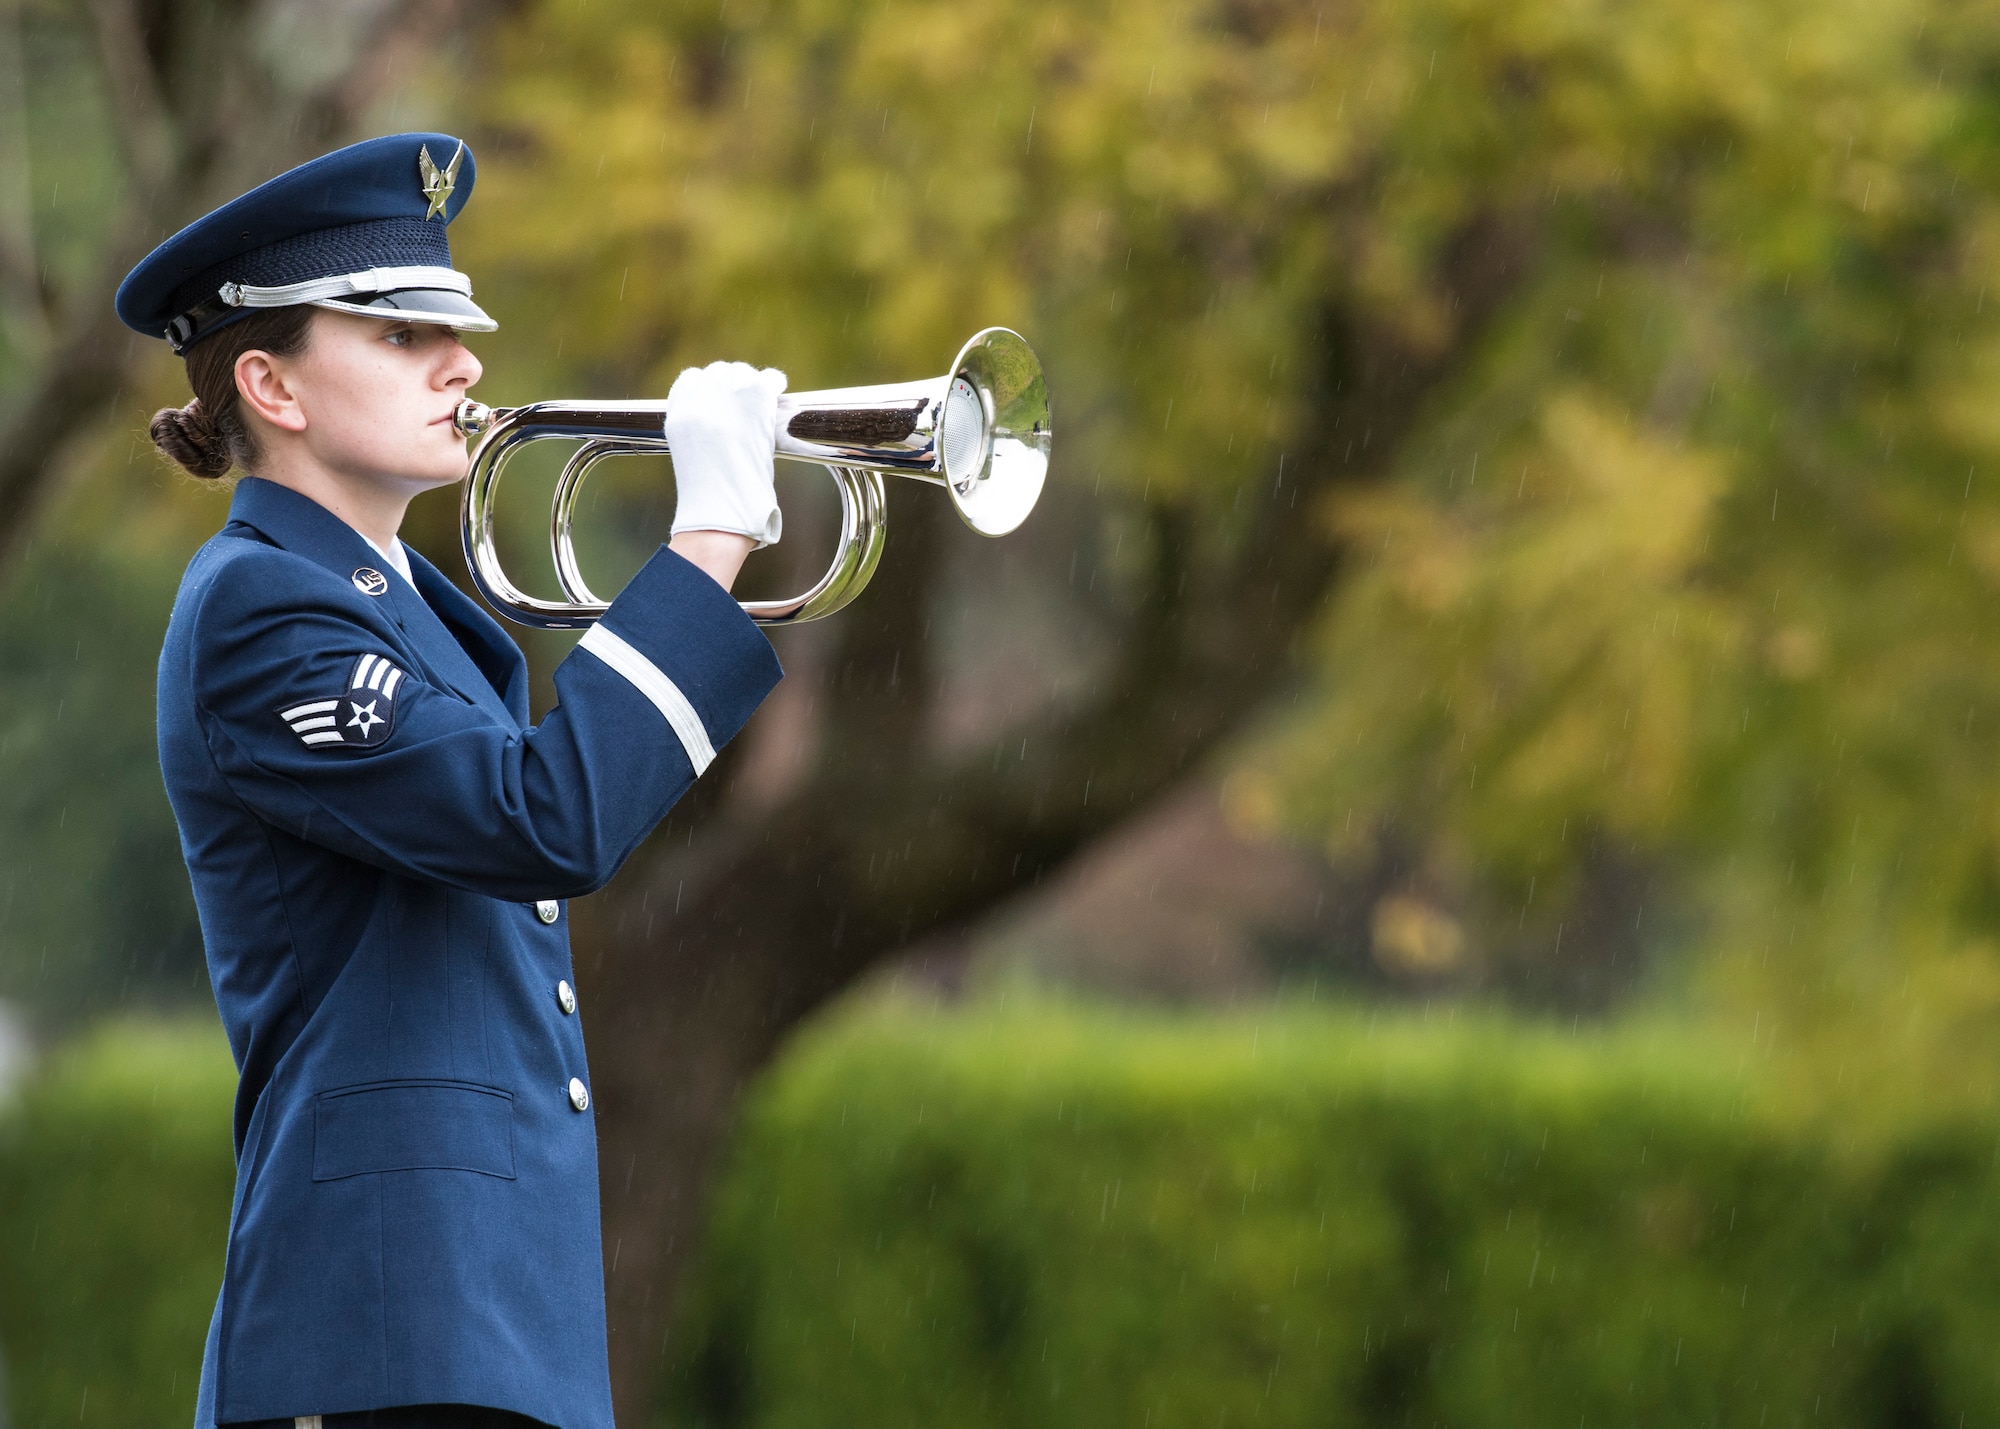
x=448, y=471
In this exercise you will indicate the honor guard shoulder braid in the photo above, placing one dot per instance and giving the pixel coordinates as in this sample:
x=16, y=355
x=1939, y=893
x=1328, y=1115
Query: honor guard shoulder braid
x=360, y=230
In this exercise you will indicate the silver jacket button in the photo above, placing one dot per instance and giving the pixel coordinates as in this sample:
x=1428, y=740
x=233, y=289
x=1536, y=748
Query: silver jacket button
x=565, y=997
x=547, y=910
x=579, y=1094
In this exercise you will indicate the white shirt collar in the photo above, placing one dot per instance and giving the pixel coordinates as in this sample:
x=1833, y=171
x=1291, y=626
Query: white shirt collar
x=397, y=557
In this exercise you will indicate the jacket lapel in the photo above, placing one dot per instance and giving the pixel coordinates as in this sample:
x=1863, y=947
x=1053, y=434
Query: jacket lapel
x=304, y=527
x=477, y=635
x=442, y=655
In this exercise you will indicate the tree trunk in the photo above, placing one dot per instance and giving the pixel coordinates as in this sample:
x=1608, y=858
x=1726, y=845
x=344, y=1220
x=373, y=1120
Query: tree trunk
x=728, y=929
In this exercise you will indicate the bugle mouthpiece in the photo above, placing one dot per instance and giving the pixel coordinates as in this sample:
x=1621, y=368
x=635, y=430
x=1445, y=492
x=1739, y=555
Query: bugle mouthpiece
x=471, y=418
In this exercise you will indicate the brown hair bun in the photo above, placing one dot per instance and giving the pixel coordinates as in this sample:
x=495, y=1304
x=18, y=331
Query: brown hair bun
x=188, y=436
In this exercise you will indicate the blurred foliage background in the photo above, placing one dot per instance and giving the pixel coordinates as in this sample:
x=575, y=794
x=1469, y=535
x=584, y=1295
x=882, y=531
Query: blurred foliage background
x=1027, y=1211
x=1566, y=440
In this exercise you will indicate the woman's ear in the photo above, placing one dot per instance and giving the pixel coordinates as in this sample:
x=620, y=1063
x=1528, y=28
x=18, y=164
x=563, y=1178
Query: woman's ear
x=264, y=387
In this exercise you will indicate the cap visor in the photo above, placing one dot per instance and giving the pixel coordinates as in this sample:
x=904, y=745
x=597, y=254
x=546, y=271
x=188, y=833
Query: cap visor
x=419, y=305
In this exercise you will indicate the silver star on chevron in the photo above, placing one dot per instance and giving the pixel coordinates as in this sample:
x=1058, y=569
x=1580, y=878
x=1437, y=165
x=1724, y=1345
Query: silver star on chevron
x=438, y=185
x=365, y=718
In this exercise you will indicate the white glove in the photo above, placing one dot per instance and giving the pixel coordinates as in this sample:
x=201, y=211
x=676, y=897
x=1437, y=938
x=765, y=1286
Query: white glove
x=722, y=424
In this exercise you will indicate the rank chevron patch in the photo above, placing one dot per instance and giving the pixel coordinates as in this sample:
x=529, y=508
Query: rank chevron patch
x=361, y=718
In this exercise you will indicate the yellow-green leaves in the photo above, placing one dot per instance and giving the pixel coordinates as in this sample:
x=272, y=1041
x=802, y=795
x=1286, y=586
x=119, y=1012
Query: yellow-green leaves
x=1533, y=649
x=1691, y=551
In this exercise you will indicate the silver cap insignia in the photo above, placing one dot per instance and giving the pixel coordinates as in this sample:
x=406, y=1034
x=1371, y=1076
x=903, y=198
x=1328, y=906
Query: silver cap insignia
x=438, y=184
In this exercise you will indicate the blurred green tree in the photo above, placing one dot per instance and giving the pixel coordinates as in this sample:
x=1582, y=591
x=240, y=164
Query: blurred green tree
x=1634, y=359
x=1689, y=570
x=1637, y=357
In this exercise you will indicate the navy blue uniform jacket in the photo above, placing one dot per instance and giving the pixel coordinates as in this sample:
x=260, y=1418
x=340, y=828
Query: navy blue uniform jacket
x=370, y=823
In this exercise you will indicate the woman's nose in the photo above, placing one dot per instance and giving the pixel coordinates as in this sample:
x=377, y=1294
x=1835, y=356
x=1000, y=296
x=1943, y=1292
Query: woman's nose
x=461, y=367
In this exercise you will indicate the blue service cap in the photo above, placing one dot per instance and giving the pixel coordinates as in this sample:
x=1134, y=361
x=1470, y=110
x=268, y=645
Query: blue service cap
x=360, y=230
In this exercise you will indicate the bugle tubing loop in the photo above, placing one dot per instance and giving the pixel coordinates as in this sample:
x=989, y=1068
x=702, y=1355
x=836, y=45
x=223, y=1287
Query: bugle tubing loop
x=981, y=431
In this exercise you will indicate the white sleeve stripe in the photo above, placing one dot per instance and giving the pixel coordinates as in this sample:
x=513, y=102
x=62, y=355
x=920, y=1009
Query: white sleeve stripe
x=389, y=685
x=650, y=681
x=316, y=707
x=379, y=674
x=361, y=669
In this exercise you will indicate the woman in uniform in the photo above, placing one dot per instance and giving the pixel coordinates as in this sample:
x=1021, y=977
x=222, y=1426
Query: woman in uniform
x=379, y=841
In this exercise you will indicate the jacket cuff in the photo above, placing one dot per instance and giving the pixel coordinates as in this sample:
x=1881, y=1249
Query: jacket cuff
x=683, y=642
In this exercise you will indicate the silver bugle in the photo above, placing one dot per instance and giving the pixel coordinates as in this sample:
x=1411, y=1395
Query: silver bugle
x=981, y=431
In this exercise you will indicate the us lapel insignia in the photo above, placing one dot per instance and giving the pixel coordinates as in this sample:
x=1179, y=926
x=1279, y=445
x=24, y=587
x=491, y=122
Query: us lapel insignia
x=370, y=581
x=361, y=718
x=438, y=184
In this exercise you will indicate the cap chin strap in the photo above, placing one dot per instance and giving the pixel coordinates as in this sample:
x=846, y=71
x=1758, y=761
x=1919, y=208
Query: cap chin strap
x=375, y=280
x=204, y=316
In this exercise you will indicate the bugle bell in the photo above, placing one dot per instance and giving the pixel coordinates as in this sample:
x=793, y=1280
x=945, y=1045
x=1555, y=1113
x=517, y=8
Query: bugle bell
x=981, y=431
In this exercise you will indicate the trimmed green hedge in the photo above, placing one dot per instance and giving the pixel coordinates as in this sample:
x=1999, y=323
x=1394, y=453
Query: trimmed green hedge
x=115, y=1178
x=1055, y=1215
x=1060, y=1217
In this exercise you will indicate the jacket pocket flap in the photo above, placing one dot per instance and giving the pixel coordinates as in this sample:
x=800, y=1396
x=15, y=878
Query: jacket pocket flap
x=413, y=1126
